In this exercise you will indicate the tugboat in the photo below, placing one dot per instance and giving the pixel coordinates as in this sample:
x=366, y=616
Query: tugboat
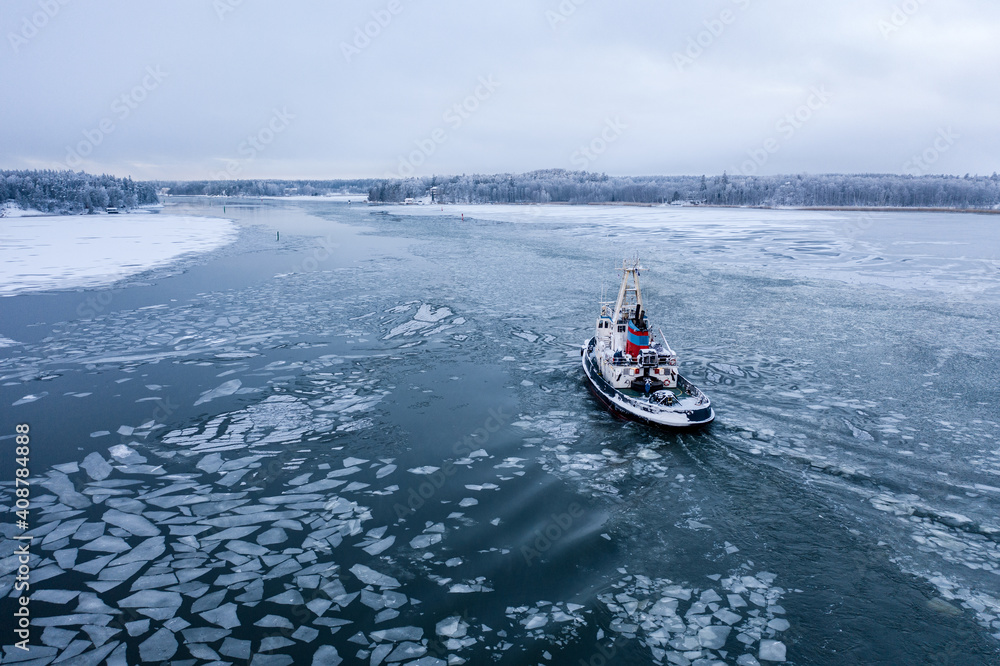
x=635, y=374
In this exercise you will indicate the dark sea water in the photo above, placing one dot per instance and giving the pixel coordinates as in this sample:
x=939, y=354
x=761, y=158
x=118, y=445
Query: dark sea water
x=369, y=440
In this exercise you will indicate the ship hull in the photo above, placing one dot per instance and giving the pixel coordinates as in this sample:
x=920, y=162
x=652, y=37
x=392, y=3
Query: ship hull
x=622, y=405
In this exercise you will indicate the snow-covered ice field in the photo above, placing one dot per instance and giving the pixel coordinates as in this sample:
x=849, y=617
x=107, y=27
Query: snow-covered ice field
x=75, y=251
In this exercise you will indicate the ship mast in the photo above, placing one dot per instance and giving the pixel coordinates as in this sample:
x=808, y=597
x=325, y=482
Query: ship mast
x=628, y=296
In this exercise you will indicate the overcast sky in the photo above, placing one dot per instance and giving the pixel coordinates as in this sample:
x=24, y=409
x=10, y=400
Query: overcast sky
x=196, y=89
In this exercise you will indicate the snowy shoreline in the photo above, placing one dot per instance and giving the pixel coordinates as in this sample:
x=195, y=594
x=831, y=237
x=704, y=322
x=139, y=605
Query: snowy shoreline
x=59, y=252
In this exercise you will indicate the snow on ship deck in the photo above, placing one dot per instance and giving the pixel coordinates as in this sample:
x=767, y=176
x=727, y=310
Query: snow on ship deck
x=689, y=410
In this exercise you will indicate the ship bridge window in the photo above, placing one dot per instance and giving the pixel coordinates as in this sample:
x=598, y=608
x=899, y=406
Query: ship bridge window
x=621, y=329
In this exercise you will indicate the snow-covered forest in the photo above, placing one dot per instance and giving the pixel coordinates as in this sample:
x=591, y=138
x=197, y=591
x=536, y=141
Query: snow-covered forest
x=76, y=192
x=72, y=192
x=266, y=188
x=558, y=185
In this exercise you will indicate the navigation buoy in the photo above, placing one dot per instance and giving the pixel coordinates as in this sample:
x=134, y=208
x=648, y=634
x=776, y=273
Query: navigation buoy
x=277, y=235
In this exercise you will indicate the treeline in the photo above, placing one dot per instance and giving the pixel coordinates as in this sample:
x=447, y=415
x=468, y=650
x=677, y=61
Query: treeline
x=73, y=191
x=265, y=188
x=559, y=186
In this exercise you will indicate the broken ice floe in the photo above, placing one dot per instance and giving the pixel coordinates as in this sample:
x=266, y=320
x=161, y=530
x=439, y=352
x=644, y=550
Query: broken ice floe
x=681, y=624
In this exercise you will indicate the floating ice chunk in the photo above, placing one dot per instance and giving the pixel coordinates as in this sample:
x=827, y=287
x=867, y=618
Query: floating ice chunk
x=159, y=647
x=771, y=650
x=468, y=501
x=54, y=596
x=288, y=597
x=779, y=624
x=728, y=616
x=56, y=637
x=151, y=599
x=319, y=606
x=106, y=544
x=137, y=525
x=29, y=398
x=380, y=546
x=385, y=471
x=536, y=621
x=126, y=454
x=210, y=463
x=352, y=462
x=451, y=627
x=274, y=622
x=677, y=593
x=747, y=660
x=300, y=479
x=246, y=548
x=235, y=648
x=224, y=616
x=398, y=634
x=322, y=484
x=453, y=562
x=713, y=637
x=97, y=467
x=428, y=469
x=406, y=650
x=146, y=551
x=202, y=651
x=433, y=661
x=274, y=643
x=126, y=504
x=371, y=577
x=100, y=433
x=61, y=485
x=648, y=454
x=326, y=655
x=209, y=601
x=709, y=596
x=464, y=588
x=99, y=635
x=272, y=536
x=424, y=540
x=204, y=634
x=305, y=634
x=150, y=582
x=225, y=389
